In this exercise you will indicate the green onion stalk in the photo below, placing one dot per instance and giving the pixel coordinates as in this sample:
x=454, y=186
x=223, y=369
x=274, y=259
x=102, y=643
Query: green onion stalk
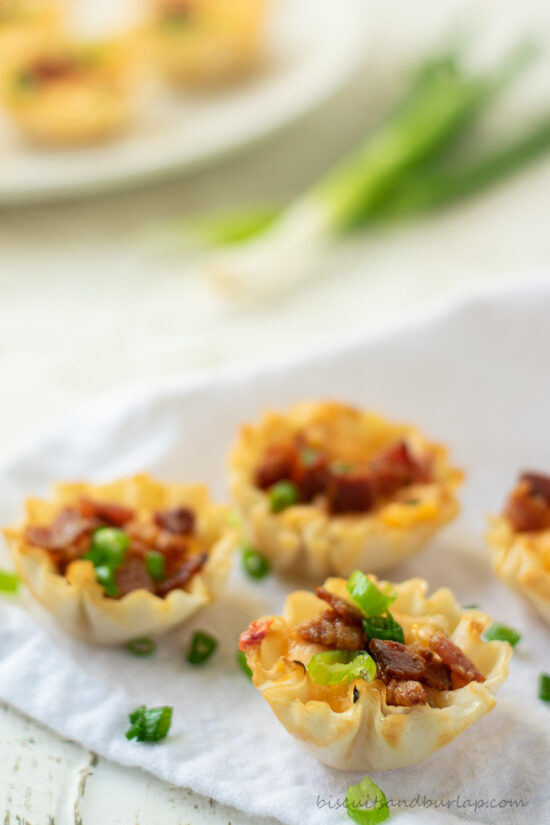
x=290, y=248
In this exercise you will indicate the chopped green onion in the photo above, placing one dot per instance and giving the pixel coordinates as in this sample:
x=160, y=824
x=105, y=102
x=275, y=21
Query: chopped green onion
x=142, y=646
x=367, y=596
x=150, y=725
x=155, y=564
x=333, y=666
x=366, y=803
x=471, y=607
x=282, y=495
x=202, y=647
x=544, y=687
x=502, y=633
x=383, y=627
x=243, y=664
x=106, y=576
x=234, y=520
x=9, y=582
x=254, y=563
x=309, y=456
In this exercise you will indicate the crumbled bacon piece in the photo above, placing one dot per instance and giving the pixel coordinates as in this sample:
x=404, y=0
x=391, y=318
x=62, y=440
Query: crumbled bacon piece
x=180, y=520
x=66, y=529
x=528, y=506
x=310, y=473
x=395, y=467
x=183, y=574
x=114, y=515
x=133, y=575
x=436, y=674
x=52, y=68
x=406, y=693
x=462, y=668
x=277, y=465
x=350, y=614
x=332, y=631
x=254, y=634
x=351, y=492
x=397, y=661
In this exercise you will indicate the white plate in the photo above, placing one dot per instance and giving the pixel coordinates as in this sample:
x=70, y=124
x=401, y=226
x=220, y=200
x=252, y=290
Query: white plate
x=314, y=46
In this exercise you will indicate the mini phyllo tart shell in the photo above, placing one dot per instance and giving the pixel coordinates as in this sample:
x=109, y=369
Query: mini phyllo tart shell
x=519, y=541
x=75, y=597
x=418, y=494
x=356, y=725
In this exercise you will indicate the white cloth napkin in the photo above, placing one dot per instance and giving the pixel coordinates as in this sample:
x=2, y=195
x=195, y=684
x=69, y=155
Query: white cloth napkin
x=474, y=376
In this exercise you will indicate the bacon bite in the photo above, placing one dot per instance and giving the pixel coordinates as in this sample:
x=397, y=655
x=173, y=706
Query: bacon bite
x=528, y=507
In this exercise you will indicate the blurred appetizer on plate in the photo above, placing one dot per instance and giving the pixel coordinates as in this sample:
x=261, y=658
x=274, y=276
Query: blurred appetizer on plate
x=207, y=42
x=363, y=687
x=26, y=25
x=75, y=93
x=519, y=541
x=328, y=488
x=119, y=561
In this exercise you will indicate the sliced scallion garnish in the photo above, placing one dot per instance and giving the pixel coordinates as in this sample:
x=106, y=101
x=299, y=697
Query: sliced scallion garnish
x=155, y=564
x=367, y=596
x=142, y=646
x=243, y=664
x=502, y=633
x=366, y=803
x=283, y=494
x=383, y=627
x=331, y=667
x=544, y=687
x=107, y=550
x=9, y=582
x=254, y=564
x=202, y=647
x=150, y=725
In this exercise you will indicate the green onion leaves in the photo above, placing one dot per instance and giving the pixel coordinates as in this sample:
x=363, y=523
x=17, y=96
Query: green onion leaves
x=107, y=550
x=150, y=725
x=366, y=803
x=142, y=646
x=155, y=564
x=383, y=627
x=254, y=564
x=367, y=596
x=544, y=687
x=9, y=582
x=202, y=647
x=333, y=666
x=243, y=664
x=502, y=633
x=283, y=494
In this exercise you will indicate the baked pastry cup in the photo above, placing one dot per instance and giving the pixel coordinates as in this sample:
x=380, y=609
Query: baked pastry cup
x=371, y=492
x=354, y=726
x=519, y=541
x=69, y=94
x=196, y=560
x=26, y=25
x=207, y=42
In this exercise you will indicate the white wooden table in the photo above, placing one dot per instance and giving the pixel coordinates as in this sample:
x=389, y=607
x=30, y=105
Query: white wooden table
x=87, y=306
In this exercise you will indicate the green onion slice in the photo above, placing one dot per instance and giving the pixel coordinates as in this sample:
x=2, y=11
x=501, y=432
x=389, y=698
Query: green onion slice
x=367, y=596
x=283, y=494
x=155, y=564
x=106, y=576
x=471, y=607
x=107, y=550
x=383, y=627
x=502, y=633
x=149, y=725
x=254, y=564
x=142, y=646
x=544, y=687
x=366, y=803
x=202, y=647
x=9, y=582
x=333, y=666
x=243, y=664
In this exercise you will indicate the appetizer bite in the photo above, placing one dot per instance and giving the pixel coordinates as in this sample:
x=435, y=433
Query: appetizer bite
x=519, y=541
x=363, y=688
x=203, y=42
x=73, y=93
x=329, y=488
x=119, y=561
x=26, y=25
